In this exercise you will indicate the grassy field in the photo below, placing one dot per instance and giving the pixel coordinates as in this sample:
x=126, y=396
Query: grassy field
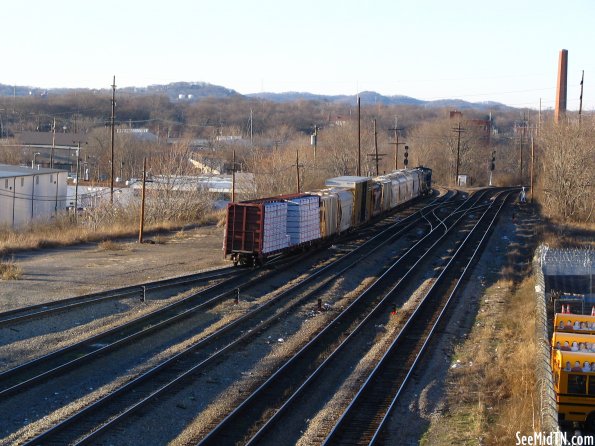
x=9, y=270
x=64, y=231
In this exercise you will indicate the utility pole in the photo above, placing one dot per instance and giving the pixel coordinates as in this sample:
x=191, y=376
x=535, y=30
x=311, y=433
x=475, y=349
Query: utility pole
x=78, y=178
x=142, y=205
x=314, y=140
x=113, y=122
x=359, y=138
x=53, y=145
x=376, y=146
x=297, y=168
x=459, y=130
x=251, y=128
x=233, y=177
x=532, y=162
x=580, y=107
x=539, y=119
x=396, y=143
x=376, y=156
x=521, y=148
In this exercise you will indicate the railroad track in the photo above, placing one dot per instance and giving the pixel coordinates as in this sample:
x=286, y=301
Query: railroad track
x=251, y=421
x=91, y=422
x=66, y=359
x=19, y=315
x=365, y=417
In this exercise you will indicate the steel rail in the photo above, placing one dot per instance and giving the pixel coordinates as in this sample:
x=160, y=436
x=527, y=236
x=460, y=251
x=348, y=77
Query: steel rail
x=19, y=315
x=302, y=389
x=223, y=431
x=357, y=407
x=68, y=423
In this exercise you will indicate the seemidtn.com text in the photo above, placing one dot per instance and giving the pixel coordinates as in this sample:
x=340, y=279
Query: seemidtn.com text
x=554, y=439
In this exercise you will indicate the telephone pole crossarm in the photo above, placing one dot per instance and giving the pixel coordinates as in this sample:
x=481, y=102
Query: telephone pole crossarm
x=396, y=144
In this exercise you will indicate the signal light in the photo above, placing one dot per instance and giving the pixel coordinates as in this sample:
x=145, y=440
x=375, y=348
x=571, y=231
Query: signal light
x=406, y=154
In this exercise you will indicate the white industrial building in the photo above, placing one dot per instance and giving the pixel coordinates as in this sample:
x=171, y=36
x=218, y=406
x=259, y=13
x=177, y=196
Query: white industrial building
x=27, y=194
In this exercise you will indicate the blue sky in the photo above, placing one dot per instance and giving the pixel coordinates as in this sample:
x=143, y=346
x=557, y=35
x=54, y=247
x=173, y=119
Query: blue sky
x=504, y=51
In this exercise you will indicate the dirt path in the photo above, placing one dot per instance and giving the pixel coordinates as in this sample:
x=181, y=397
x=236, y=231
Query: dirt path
x=52, y=274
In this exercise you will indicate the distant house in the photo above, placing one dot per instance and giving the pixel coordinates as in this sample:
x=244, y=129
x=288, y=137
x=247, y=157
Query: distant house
x=214, y=166
x=139, y=134
x=45, y=140
x=198, y=144
x=217, y=185
x=28, y=194
x=483, y=126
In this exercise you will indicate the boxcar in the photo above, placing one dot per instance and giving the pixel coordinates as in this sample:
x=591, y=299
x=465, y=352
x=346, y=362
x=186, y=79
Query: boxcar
x=259, y=228
x=361, y=188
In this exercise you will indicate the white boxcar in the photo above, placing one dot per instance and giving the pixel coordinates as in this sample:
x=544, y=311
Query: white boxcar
x=303, y=219
x=275, y=227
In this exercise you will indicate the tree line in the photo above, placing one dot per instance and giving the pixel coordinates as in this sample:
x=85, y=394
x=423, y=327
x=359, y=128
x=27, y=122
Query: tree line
x=273, y=141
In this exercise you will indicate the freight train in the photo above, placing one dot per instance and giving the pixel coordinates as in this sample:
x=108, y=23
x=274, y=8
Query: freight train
x=258, y=229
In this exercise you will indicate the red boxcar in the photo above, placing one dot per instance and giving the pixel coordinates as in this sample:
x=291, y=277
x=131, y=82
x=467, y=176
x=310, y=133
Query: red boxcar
x=257, y=229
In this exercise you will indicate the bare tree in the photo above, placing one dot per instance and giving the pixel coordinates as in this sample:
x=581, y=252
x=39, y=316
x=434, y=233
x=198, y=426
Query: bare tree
x=176, y=193
x=434, y=144
x=567, y=170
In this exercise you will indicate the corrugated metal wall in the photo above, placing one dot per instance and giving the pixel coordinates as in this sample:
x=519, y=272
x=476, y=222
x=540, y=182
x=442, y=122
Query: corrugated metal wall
x=24, y=198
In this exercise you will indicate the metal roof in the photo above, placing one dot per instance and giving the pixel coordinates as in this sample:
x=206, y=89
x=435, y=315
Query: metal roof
x=9, y=171
x=346, y=180
x=44, y=139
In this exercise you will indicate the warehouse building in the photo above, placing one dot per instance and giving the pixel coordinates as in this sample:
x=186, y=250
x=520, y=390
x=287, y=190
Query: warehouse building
x=28, y=194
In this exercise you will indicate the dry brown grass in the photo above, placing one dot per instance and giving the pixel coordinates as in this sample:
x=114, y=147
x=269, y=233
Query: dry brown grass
x=491, y=391
x=9, y=270
x=160, y=239
x=65, y=231
x=110, y=245
x=219, y=217
x=560, y=234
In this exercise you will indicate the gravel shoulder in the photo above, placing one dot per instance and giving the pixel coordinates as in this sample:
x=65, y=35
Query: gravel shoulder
x=424, y=402
x=52, y=274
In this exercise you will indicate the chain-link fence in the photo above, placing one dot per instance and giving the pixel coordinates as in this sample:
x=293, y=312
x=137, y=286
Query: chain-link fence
x=564, y=262
x=543, y=324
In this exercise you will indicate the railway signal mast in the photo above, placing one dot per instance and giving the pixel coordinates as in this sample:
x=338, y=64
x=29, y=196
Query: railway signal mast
x=492, y=165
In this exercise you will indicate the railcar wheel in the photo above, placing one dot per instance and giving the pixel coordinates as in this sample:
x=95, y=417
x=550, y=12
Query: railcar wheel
x=590, y=421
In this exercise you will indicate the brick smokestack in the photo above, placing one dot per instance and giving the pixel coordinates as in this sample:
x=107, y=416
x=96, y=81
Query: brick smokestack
x=562, y=86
